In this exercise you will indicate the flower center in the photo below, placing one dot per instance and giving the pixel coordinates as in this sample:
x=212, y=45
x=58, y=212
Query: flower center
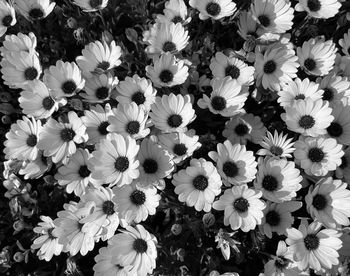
x=335, y=129
x=138, y=197
x=108, y=208
x=174, y=120
x=314, y=5
x=273, y=218
x=36, y=13
x=84, y=171
x=232, y=71
x=7, y=20
x=281, y=263
x=140, y=246
x=200, y=182
x=270, y=67
x=138, y=98
x=230, y=169
x=328, y=94
x=180, y=149
x=32, y=140
x=218, y=103
x=169, y=46
x=344, y=163
x=133, y=127
x=102, y=128
x=306, y=122
x=264, y=20
x=150, y=166
x=316, y=155
x=102, y=92
x=311, y=242
x=213, y=9
x=300, y=97
x=67, y=134
x=319, y=202
x=177, y=19
x=270, y=183
x=31, y=73
x=69, y=87
x=121, y=164
x=48, y=103
x=104, y=65
x=166, y=76
x=310, y=64
x=277, y=151
x=241, y=205
x=241, y=129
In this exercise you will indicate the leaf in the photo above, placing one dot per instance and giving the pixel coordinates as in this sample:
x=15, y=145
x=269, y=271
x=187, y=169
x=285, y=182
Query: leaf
x=6, y=108
x=131, y=35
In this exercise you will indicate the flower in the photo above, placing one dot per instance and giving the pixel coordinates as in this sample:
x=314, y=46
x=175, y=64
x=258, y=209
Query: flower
x=22, y=139
x=226, y=99
x=172, y=113
x=75, y=176
x=318, y=156
x=7, y=17
x=98, y=58
x=167, y=71
x=317, y=57
x=36, y=168
x=336, y=88
x=91, y=5
x=34, y=9
x=198, y=184
x=64, y=79
x=135, y=203
x=175, y=11
x=235, y=164
x=17, y=43
x=223, y=66
x=276, y=145
x=225, y=242
x=129, y=120
x=328, y=202
x=47, y=241
x=38, y=101
x=345, y=43
x=243, y=207
x=244, y=127
x=299, y=90
x=313, y=247
x=278, y=217
x=59, y=139
x=308, y=117
x=319, y=8
x=135, y=247
x=114, y=160
x=215, y=9
x=278, y=179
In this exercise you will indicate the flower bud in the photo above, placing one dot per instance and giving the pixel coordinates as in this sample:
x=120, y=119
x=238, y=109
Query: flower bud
x=208, y=220
x=176, y=229
x=18, y=225
x=18, y=257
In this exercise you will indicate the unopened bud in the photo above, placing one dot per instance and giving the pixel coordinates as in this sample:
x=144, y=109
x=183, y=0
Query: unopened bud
x=18, y=257
x=208, y=220
x=176, y=229
x=18, y=225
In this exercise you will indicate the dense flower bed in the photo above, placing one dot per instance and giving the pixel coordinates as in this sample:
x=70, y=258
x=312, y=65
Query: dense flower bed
x=200, y=137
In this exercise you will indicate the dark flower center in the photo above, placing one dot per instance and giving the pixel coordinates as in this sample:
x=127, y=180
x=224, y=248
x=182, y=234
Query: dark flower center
x=277, y=151
x=314, y=5
x=241, y=129
x=140, y=246
x=84, y=171
x=48, y=103
x=270, y=67
x=138, y=98
x=69, y=87
x=150, y=166
x=300, y=97
x=328, y=94
x=67, y=134
x=102, y=128
x=166, y=76
x=232, y=71
x=270, y=183
x=121, y=164
x=180, y=149
x=108, y=208
x=32, y=140
x=311, y=242
x=319, y=202
x=169, y=46
x=138, y=197
x=281, y=263
x=200, y=182
x=133, y=127
x=36, y=13
x=31, y=73
x=218, y=103
x=264, y=20
x=310, y=64
x=316, y=155
x=177, y=19
x=7, y=20
x=335, y=129
x=230, y=169
x=213, y=9
x=306, y=122
x=241, y=205
x=273, y=218
x=102, y=92
x=104, y=65
x=344, y=163
x=174, y=120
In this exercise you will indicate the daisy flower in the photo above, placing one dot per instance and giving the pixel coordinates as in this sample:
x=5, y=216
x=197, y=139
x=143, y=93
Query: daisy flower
x=319, y=8
x=34, y=9
x=243, y=128
x=318, y=156
x=223, y=66
x=235, y=164
x=98, y=88
x=308, y=117
x=243, y=208
x=91, y=5
x=227, y=98
x=34, y=169
x=135, y=247
x=313, y=247
x=98, y=57
x=215, y=9
x=17, y=43
x=22, y=139
x=198, y=184
x=298, y=90
x=64, y=79
x=96, y=122
x=172, y=113
x=75, y=176
x=47, y=241
x=343, y=171
x=274, y=16
x=345, y=43
x=247, y=26
x=317, y=57
x=275, y=66
x=135, y=203
x=276, y=145
x=167, y=71
x=340, y=127
x=278, y=179
x=155, y=163
x=114, y=160
x=336, y=89
x=329, y=202
x=175, y=11
x=166, y=37
x=7, y=17
x=180, y=145
x=37, y=100
x=59, y=139
x=278, y=217
x=129, y=120
x=137, y=90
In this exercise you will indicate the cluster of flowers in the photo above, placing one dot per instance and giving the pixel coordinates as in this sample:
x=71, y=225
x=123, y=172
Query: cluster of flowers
x=136, y=137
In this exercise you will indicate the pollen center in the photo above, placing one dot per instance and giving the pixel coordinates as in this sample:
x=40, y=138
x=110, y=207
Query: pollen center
x=311, y=242
x=175, y=120
x=270, y=183
x=328, y=94
x=273, y=218
x=230, y=169
x=108, y=208
x=180, y=149
x=270, y=67
x=213, y=9
x=241, y=129
x=169, y=46
x=84, y=171
x=264, y=20
x=150, y=166
x=138, y=98
x=314, y=5
x=121, y=164
x=319, y=202
x=138, y=197
x=241, y=205
x=102, y=92
x=48, y=103
x=218, y=103
x=7, y=20
x=166, y=76
x=31, y=73
x=306, y=122
x=232, y=71
x=67, y=134
x=200, y=182
x=69, y=87
x=140, y=246
x=335, y=129
x=133, y=127
x=316, y=155
x=310, y=64
x=36, y=13
x=102, y=128
x=32, y=140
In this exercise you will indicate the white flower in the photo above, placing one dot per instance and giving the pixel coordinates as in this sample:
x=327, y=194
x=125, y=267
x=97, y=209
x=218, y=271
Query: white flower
x=215, y=9
x=91, y=5
x=340, y=127
x=336, y=89
x=175, y=11
x=276, y=145
x=34, y=9
x=17, y=43
x=319, y=8
x=7, y=17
